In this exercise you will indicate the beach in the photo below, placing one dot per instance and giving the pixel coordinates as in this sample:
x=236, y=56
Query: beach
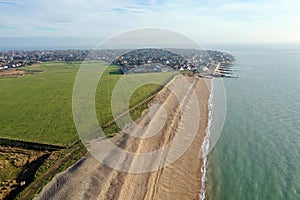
x=90, y=179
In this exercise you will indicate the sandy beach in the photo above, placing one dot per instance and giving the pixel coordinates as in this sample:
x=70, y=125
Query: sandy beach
x=89, y=179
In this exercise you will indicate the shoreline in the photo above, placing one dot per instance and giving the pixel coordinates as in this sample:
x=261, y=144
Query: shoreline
x=179, y=180
x=205, y=145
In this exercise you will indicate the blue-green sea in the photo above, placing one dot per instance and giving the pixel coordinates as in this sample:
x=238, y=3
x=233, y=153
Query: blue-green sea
x=258, y=153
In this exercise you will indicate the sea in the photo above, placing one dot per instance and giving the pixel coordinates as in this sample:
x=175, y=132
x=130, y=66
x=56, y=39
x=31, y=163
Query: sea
x=257, y=156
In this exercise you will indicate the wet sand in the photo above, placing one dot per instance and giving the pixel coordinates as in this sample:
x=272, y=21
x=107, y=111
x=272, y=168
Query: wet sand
x=89, y=179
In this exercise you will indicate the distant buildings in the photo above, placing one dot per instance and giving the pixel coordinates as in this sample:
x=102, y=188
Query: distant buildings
x=15, y=59
x=132, y=61
x=159, y=60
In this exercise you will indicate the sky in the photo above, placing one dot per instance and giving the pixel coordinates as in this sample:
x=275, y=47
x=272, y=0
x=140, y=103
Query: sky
x=207, y=21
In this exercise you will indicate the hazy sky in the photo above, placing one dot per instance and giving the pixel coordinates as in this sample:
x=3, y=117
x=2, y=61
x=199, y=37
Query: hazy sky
x=202, y=20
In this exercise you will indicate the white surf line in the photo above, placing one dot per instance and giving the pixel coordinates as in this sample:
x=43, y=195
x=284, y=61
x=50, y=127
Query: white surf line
x=205, y=146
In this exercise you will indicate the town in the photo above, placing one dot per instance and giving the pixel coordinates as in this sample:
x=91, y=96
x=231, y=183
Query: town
x=132, y=61
x=22, y=58
x=164, y=60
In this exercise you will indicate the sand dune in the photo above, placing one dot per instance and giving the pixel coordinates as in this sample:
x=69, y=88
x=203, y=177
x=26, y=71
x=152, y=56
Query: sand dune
x=182, y=115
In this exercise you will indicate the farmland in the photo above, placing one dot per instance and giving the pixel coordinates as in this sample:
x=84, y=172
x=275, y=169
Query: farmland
x=38, y=107
x=38, y=137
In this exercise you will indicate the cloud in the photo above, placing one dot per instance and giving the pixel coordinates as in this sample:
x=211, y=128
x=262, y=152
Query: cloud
x=5, y=27
x=9, y=3
x=45, y=28
x=119, y=10
x=206, y=20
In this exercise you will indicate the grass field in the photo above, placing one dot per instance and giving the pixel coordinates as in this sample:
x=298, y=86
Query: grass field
x=38, y=107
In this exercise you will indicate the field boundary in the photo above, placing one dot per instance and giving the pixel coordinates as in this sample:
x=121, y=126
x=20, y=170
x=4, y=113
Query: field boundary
x=30, y=145
x=148, y=99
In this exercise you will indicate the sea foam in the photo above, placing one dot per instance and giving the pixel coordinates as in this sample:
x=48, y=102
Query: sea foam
x=205, y=145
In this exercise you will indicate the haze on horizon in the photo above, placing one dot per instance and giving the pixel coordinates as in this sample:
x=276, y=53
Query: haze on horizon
x=86, y=22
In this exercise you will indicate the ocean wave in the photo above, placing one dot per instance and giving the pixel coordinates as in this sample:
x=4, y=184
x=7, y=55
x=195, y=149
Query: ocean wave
x=205, y=145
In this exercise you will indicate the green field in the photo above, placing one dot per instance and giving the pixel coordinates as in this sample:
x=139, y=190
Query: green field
x=38, y=107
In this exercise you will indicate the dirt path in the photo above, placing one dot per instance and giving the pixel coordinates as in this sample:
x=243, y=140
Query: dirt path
x=89, y=179
x=12, y=72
